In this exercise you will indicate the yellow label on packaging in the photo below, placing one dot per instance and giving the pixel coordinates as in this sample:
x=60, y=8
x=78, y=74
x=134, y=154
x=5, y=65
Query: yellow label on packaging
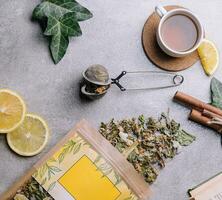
x=77, y=172
x=84, y=181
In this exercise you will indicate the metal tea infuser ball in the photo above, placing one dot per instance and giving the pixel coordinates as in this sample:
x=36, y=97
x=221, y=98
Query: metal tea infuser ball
x=98, y=82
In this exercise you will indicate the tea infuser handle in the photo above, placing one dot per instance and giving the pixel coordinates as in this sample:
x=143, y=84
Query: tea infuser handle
x=120, y=86
x=176, y=79
x=160, y=10
x=116, y=81
x=121, y=75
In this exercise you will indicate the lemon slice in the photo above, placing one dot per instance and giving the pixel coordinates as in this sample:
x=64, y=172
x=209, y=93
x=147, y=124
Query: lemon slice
x=209, y=56
x=12, y=110
x=30, y=137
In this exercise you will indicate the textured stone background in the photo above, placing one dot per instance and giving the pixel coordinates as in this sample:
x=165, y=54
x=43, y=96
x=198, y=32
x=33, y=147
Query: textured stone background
x=112, y=38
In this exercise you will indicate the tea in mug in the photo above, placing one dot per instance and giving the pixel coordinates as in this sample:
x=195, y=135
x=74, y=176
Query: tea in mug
x=179, y=33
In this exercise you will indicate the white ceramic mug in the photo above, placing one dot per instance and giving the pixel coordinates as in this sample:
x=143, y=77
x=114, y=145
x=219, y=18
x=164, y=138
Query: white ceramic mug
x=164, y=15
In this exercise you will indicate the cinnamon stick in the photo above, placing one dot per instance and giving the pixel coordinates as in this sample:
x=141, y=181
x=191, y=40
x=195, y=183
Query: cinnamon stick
x=210, y=114
x=195, y=103
x=197, y=116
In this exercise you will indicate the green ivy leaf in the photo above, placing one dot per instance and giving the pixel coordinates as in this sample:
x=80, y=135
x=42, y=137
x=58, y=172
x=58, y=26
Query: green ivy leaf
x=58, y=8
x=216, y=93
x=58, y=47
x=66, y=25
x=60, y=30
x=62, y=22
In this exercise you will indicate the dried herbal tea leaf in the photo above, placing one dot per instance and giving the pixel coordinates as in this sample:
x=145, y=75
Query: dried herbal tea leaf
x=175, y=130
x=32, y=190
x=146, y=143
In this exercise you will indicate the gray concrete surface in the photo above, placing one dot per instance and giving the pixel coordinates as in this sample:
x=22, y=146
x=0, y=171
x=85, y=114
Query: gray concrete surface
x=111, y=38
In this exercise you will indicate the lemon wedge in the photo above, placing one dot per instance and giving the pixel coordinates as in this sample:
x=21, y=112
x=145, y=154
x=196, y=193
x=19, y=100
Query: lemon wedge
x=12, y=110
x=209, y=56
x=30, y=137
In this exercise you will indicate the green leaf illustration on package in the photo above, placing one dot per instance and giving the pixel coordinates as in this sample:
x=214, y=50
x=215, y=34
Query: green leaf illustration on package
x=216, y=93
x=62, y=17
x=51, y=186
x=70, y=147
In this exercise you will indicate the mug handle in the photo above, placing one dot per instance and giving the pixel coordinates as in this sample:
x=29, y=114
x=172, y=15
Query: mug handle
x=160, y=10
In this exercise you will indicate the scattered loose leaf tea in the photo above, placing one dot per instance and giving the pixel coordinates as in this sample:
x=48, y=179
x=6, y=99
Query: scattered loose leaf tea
x=147, y=143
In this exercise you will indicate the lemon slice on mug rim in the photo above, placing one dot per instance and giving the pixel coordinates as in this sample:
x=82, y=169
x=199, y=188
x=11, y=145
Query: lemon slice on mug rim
x=209, y=56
